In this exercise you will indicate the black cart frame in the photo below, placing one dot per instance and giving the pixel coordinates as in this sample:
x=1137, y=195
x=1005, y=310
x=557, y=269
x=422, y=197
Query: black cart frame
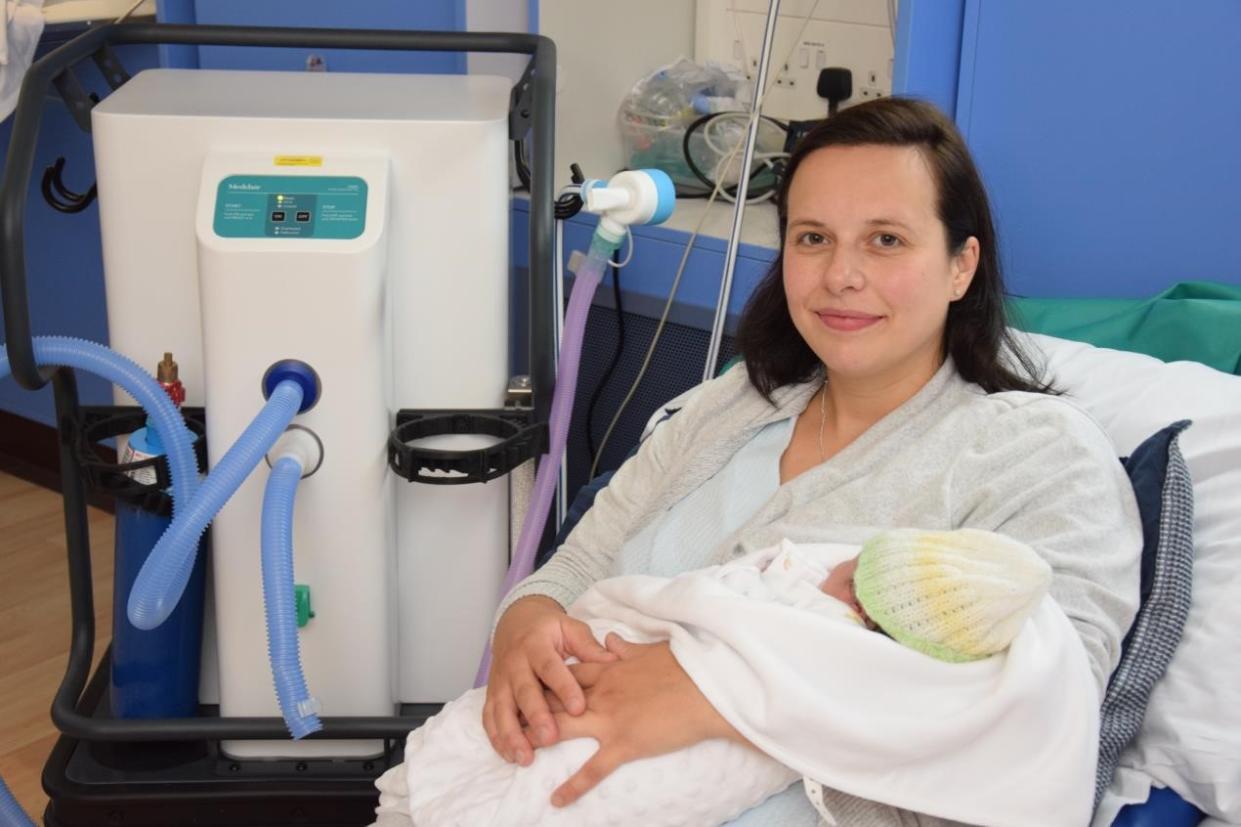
x=74, y=709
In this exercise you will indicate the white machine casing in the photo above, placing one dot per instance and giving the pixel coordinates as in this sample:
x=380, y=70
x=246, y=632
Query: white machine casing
x=414, y=313
x=321, y=300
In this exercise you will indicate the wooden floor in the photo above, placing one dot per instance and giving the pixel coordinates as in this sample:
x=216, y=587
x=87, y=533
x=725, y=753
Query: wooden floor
x=34, y=626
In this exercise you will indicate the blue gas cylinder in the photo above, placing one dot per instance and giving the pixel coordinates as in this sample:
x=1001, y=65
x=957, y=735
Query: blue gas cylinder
x=154, y=673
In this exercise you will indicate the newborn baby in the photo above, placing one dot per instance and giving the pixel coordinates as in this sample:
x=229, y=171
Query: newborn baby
x=955, y=596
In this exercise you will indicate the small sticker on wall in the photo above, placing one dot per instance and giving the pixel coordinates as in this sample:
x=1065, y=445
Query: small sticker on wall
x=299, y=160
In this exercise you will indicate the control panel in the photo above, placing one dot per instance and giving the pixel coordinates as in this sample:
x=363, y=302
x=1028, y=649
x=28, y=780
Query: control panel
x=290, y=206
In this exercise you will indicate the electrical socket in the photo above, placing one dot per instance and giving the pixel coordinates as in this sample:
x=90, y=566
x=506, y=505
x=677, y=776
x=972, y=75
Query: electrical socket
x=850, y=34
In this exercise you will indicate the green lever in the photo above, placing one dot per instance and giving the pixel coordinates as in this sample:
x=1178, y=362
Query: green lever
x=301, y=597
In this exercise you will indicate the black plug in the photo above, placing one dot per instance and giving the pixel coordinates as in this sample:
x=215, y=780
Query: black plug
x=836, y=85
x=796, y=131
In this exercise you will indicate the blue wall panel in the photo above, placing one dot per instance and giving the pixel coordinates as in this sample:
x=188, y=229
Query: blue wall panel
x=64, y=269
x=446, y=15
x=928, y=51
x=1107, y=133
x=180, y=12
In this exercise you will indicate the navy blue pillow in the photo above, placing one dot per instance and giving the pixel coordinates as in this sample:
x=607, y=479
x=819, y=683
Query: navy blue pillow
x=582, y=501
x=1164, y=493
x=1147, y=468
x=1164, y=808
x=585, y=498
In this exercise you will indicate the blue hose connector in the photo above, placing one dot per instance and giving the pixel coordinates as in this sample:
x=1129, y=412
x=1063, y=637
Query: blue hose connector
x=666, y=195
x=292, y=370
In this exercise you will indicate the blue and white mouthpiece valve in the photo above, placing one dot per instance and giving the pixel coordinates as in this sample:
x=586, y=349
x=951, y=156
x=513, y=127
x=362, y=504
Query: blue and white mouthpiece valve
x=639, y=196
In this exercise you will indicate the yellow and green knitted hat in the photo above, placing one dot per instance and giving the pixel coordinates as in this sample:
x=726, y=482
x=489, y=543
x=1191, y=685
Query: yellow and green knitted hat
x=954, y=595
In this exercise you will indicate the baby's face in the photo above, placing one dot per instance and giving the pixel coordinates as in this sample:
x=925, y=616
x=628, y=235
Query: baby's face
x=839, y=584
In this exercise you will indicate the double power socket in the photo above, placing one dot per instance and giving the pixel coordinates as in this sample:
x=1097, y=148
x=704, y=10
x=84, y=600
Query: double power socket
x=853, y=34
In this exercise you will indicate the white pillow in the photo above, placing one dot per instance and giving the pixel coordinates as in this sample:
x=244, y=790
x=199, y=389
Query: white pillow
x=1191, y=737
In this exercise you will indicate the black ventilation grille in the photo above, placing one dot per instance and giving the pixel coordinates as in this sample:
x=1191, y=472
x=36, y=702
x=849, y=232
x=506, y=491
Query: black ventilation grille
x=675, y=367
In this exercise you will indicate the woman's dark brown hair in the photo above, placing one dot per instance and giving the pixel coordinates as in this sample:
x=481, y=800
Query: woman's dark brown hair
x=976, y=333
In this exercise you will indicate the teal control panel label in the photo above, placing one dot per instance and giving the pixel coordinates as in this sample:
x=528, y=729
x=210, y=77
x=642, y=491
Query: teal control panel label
x=290, y=206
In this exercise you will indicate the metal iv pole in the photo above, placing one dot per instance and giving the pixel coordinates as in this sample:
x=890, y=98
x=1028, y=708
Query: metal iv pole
x=743, y=190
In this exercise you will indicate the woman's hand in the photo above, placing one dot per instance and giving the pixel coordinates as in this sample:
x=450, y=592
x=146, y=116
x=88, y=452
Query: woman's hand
x=642, y=706
x=532, y=640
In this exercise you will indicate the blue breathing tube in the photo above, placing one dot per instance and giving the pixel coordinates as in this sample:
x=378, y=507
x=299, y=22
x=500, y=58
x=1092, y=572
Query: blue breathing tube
x=158, y=587
x=63, y=351
x=162, y=580
x=167, y=570
x=296, y=705
x=11, y=813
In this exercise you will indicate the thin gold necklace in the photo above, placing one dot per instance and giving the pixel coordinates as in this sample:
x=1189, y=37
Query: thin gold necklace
x=822, y=420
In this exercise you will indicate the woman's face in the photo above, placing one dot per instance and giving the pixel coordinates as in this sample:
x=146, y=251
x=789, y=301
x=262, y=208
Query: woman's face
x=867, y=271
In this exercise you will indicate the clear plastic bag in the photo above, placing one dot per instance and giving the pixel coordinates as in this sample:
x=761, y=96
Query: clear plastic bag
x=655, y=114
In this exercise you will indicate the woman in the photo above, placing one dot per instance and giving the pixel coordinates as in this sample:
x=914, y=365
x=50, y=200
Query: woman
x=879, y=389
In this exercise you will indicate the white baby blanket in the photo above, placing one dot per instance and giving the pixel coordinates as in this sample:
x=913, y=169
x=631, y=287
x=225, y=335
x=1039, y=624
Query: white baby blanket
x=1011, y=740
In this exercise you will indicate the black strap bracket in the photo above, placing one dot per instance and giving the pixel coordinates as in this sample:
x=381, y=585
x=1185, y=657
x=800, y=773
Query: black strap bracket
x=110, y=67
x=96, y=423
x=520, y=105
x=74, y=94
x=76, y=98
x=519, y=441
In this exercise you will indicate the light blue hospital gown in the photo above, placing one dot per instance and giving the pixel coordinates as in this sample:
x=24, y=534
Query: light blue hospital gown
x=684, y=538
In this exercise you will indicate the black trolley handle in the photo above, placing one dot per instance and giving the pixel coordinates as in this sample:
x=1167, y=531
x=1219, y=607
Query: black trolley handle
x=538, y=110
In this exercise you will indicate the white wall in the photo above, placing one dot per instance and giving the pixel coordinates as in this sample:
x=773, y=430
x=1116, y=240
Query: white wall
x=603, y=48
x=497, y=16
x=810, y=35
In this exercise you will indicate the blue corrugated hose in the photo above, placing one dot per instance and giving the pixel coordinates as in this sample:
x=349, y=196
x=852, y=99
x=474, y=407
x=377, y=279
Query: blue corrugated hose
x=152, y=598
x=162, y=580
x=296, y=704
x=11, y=813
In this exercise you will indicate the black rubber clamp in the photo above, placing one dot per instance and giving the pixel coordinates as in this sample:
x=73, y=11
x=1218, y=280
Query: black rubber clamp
x=519, y=442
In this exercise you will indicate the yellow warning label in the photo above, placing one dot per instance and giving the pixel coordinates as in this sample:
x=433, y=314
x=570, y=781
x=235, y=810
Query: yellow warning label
x=299, y=160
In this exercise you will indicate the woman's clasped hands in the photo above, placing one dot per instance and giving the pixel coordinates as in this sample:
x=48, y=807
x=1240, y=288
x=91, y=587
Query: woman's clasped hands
x=634, y=699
